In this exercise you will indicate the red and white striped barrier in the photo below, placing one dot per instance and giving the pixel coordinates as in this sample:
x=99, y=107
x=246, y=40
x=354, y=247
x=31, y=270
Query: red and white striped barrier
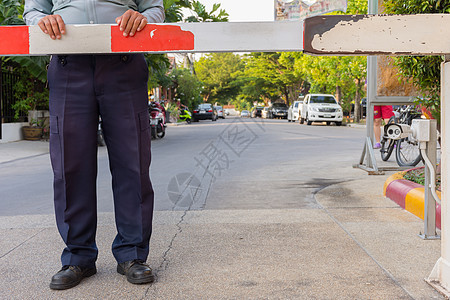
x=155, y=38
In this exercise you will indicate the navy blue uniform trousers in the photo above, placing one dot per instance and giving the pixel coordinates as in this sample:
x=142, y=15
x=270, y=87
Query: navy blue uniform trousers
x=82, y=87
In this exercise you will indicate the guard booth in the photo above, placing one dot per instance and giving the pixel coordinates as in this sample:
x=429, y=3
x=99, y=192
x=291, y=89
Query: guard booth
x=322, y=35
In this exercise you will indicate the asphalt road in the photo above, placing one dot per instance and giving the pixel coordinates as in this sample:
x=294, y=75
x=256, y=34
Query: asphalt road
x=228, y=164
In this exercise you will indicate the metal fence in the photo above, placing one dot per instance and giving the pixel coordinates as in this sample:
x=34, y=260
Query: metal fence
x=8, y=99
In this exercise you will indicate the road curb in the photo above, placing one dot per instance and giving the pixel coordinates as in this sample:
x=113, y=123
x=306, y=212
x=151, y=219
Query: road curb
x=409, y=195
x=353, y=125
x=176, y=124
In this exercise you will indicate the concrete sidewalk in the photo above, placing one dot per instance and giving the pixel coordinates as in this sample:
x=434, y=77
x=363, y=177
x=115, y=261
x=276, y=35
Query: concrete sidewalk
x=22, y=149
x=356, y=245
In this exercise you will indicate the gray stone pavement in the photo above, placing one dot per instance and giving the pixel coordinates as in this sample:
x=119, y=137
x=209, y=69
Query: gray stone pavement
x=355, y=245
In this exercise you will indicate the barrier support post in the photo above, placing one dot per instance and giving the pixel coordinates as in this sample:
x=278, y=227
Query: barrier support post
x=440, y=276
x=429, y=220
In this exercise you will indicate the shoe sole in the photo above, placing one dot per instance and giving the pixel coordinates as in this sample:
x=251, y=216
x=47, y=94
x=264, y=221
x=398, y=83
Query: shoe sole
x=149, y=279
x=66, y=286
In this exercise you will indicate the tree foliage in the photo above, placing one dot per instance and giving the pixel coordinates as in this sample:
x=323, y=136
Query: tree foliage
x=202, y=15
x=276, y=75
x=423, y=71
x=341, y=76
x=11, y=12
x=218, y=72
x=175, y=9
x=187, y=86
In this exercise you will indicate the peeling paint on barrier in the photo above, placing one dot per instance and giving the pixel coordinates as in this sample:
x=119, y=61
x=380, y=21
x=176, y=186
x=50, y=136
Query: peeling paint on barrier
x=425, y=34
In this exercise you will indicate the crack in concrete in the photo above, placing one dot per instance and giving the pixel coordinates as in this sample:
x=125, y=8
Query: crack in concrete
x=18, y=246
x=165, y=261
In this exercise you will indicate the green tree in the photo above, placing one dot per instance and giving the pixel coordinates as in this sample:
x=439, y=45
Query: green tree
x=174, y=12
x=423, y=71
x=240, y=103
x=202, y=15
x=187, y=87
x=218, y=72
x=273, y=76
x=11, y=12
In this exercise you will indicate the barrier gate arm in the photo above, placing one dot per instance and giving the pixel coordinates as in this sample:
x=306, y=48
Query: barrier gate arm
x=322, y=35
x=156, y=38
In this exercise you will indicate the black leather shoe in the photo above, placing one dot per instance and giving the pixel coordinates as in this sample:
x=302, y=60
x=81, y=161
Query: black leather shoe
x=137, y=271
x=70, y=276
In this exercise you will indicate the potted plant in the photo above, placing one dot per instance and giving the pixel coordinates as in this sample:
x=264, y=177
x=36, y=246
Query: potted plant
x=34, y=131
x=33, y=102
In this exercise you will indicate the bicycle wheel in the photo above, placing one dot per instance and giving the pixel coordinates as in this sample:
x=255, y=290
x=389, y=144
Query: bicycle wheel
x=407, y=153
x=387, y=145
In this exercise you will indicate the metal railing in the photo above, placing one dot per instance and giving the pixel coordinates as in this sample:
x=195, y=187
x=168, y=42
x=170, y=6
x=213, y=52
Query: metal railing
x=8, y=99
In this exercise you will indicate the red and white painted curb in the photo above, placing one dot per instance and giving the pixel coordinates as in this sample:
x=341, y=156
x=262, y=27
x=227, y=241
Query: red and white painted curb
x=409, y=195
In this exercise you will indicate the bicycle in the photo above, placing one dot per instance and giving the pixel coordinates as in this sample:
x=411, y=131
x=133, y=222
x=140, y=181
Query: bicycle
x=387, y=144
x=407, y=151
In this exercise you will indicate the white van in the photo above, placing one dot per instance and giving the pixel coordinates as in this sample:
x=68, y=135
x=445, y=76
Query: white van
x=321, y=108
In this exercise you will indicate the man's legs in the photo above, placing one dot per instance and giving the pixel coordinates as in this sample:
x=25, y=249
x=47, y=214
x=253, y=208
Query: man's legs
x=377, y=132
x=377, y=126
x=73, y=151
x=381, y=112
x=121, y=84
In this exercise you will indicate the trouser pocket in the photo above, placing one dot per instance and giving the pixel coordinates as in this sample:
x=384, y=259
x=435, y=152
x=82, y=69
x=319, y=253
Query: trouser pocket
x=55, y=147
x=145, y=139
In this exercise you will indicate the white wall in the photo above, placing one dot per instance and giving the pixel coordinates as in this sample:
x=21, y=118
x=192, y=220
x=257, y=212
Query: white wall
x=12, y=132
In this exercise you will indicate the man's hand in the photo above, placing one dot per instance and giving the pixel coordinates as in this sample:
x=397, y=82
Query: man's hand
x=131, y=22
x=53, y=25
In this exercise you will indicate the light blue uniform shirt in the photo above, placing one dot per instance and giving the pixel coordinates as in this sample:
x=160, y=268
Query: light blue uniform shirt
x=91, y=11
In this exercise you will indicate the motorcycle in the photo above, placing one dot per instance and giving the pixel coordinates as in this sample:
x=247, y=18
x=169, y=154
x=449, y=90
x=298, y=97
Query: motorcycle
x=185, y=115
x=157, y=120
x=100, y=137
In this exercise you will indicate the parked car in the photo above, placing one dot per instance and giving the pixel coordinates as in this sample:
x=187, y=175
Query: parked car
x=278, y=110
x=265, y=112
x=294, y=111
x=245, y=114
x=220, y=112
x=204, y=111
x=256, y=112
x=321, y=108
